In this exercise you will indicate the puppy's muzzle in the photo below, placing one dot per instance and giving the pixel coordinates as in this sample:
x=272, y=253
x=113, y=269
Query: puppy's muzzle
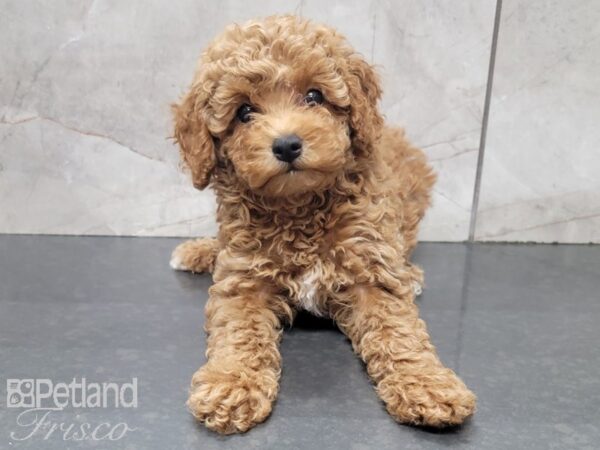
x=287, y=148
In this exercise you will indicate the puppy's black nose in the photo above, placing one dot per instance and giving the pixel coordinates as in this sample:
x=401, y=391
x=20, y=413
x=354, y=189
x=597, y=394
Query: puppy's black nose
x=287, y=148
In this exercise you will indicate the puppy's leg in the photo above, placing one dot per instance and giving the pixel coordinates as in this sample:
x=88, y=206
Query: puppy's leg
x=388, y=334
x=197, y=255
x=235, y=389
x=412, y=180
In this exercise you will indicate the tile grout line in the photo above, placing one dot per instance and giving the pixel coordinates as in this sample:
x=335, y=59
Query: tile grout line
x=460, y=336
x=484, y=121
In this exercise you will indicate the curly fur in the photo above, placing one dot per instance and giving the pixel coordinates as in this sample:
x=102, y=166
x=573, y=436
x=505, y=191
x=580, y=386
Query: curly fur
x=333, y=236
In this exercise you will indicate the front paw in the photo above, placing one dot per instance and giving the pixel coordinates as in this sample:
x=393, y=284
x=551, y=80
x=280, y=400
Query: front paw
x=437, y=399
x=231, y=401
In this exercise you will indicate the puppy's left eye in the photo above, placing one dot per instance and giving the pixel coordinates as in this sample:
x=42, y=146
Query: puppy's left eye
x=314, y=97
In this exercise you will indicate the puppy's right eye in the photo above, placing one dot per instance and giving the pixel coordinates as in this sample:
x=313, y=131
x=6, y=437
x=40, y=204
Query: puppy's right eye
x=244, y=113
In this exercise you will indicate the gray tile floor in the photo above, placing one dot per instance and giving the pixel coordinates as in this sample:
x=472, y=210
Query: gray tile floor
x=520, y=323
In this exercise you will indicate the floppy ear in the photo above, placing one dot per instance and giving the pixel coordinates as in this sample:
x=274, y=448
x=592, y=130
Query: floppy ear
x=365, y=91
x=194, y=139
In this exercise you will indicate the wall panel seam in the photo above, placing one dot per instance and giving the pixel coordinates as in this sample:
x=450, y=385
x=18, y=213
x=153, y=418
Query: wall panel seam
x=484, y=121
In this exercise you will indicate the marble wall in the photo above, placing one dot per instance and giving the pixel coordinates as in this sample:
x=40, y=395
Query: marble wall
x=86, y=87
x=540, y=179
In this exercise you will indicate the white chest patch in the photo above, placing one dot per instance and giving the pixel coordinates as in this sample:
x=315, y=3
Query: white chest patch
x=308, y=293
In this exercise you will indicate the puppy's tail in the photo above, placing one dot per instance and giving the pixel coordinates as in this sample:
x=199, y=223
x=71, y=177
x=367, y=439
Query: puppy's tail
x=196, y=255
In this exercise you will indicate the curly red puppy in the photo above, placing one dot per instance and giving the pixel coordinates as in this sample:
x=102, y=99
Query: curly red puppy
x=318, y=207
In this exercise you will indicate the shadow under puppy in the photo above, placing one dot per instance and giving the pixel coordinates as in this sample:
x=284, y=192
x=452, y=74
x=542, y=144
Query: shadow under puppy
x=318, y=207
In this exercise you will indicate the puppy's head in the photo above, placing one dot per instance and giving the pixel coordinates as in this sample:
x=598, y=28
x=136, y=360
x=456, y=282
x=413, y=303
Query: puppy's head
x=287, y=103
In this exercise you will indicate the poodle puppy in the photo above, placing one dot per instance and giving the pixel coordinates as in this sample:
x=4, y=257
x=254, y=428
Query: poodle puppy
x=318, y=207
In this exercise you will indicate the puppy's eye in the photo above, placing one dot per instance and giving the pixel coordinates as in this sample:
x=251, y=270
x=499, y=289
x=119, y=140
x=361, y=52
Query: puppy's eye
x=244, y=113
x=314, y=97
